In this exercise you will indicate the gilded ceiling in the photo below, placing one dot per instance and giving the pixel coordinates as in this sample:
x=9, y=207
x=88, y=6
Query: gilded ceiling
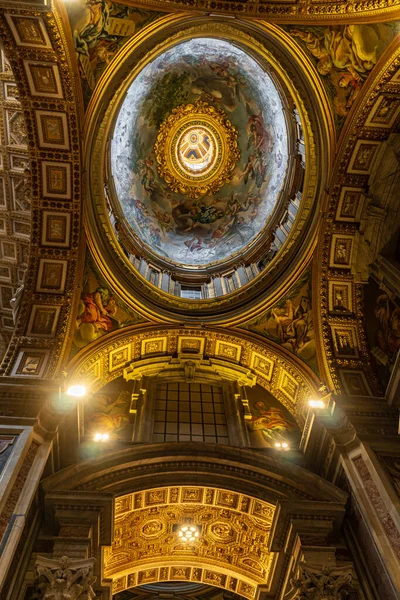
x=231, y=552
x=187, y=127
x=358, y=65
x=183, y=211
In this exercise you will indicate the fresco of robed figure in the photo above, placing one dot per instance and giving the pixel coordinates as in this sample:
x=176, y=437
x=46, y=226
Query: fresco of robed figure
x=271, y=422
x=99, y=311
x=290, y=322
x=344, y=55
x=107, y=412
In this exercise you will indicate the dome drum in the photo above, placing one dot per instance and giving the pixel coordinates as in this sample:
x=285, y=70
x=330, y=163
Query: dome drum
x=171, y=240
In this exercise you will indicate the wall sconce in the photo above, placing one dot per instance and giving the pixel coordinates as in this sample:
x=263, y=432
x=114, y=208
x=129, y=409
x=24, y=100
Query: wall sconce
x=101, y=437
x=316, y=403
x=76, y=391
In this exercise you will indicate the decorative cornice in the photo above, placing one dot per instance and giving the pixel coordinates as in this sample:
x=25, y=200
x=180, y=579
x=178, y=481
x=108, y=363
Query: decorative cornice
x=237, y=469
x=298, y=11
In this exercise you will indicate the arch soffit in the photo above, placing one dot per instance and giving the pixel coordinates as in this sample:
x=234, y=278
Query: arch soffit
x=314, y=107
x=247, y=358
x=166, y=474
x=349, y=369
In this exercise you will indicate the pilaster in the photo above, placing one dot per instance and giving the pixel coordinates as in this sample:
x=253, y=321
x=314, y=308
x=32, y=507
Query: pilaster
x=355, y=439
x=305, y=534
x=80, y=523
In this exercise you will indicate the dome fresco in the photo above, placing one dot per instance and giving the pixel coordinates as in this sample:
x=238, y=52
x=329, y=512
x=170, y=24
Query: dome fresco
x=226, y=158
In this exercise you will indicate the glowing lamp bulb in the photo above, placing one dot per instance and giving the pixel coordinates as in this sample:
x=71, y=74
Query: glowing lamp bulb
x=316, y=403
x=188, y=533
x=285, y=445
x=278, y=445
x=101, y=437
x=76, y=390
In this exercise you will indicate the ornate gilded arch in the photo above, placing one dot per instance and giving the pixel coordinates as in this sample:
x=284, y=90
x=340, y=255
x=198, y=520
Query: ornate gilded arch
x=244, y=492
x=232, y=355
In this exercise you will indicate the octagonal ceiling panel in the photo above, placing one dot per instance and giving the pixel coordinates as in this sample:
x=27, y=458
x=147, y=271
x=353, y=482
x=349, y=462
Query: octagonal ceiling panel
x=236, y=176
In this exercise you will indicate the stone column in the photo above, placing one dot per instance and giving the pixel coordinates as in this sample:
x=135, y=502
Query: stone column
x=27, y=448
x=142, y=409
x=81, y=523
x=235, y=415
x=356, y=441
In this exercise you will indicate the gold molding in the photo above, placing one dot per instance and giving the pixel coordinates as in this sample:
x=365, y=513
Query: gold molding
x=154, y=303
x=223, y=149
x=353, y=375
x=55, y=183
x=306, y=12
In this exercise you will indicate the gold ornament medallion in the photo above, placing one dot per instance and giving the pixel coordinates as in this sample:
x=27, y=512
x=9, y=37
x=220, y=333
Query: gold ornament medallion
x=196, y=149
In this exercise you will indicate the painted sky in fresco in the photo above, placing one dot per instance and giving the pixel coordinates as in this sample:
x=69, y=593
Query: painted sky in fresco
x=200, y=231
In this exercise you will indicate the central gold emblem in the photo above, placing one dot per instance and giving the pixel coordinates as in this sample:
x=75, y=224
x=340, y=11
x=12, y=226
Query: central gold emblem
x=196, y=149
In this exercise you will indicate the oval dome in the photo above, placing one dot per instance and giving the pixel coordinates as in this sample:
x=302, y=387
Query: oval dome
x=199, y=152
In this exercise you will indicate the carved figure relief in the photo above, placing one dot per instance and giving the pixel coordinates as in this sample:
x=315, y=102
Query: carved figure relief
x=58, y=579
x=314, y=583
x=382, y=328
